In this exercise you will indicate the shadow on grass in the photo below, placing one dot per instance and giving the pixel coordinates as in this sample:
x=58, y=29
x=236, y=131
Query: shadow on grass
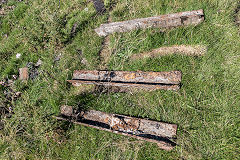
x=237, y=15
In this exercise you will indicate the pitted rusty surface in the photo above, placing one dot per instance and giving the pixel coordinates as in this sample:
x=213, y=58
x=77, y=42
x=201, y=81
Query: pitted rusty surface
x=96, y=116
x=173, y=77
x=130, y=76
x=124, y=124
x=120, y=123
x=163, y=21
x=156, y=128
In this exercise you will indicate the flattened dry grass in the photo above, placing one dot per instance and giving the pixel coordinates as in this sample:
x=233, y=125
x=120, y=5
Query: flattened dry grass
x=179, y=49
x=206, y=108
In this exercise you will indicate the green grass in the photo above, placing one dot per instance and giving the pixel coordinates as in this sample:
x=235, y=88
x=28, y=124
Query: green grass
x=206, y=108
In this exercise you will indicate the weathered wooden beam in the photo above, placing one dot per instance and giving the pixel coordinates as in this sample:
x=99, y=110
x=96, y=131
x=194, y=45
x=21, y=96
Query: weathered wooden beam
x=197, y=50
x=173, y=77
x=148, y=130
x=162, y=22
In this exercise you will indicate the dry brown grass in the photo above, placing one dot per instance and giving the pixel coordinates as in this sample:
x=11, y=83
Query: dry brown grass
x=197, y=50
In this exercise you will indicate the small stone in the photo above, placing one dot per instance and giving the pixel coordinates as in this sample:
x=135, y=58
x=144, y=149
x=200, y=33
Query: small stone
x=74, y=28
x=57, y=58
x=23, y=73
x=10, y=82
x=30, y=64
x=18, y=94
x=84, y=61
x=99, y=6
x=66, y=110
x=39, y=63
x=86, y=9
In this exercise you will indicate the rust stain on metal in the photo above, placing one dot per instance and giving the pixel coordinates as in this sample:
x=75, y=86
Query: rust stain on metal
x=148, y=130
x=124, y=124
x=162, y=22
x=130, y=76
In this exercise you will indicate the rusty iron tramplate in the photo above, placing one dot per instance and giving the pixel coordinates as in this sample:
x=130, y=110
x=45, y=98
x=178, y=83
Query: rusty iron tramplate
x=132, y=125
x=173, y=77
x=126, y=87
x=128, y=81
x=148, y=130
x=162, y=22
